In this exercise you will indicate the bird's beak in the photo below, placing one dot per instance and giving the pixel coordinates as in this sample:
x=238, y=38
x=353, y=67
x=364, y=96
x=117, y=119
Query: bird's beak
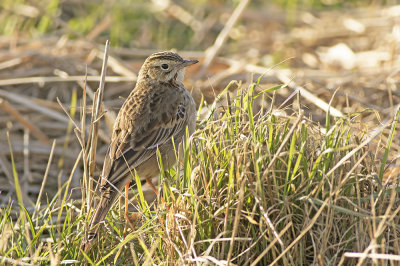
x=187, y=63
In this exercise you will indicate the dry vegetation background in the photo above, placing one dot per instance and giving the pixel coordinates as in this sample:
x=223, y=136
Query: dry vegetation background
x=342, y=53
x=349, y=51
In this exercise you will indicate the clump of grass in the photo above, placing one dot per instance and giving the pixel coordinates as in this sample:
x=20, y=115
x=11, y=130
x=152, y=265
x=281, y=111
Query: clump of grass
x=256, y=188
x=251, y=188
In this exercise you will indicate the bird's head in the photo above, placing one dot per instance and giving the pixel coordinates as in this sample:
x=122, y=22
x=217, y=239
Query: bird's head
x=165, y=67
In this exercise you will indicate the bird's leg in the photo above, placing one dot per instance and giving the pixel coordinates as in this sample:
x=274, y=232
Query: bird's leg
x=135, y=215
x=126, y=214
x=153, y=187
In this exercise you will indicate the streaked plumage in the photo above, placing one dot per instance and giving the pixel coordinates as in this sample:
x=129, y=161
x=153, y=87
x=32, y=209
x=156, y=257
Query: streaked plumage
x=158, y=109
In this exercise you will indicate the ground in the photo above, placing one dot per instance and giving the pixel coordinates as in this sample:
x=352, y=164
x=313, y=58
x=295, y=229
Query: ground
x=296, y=162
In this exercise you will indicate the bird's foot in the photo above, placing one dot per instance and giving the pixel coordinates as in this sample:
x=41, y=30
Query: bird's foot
x=129, y=219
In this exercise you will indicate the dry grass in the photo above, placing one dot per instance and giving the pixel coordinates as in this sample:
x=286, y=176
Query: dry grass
x=314, y=181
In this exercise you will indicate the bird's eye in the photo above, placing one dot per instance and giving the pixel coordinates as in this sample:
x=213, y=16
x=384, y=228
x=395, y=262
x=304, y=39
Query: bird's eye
x=164, y=66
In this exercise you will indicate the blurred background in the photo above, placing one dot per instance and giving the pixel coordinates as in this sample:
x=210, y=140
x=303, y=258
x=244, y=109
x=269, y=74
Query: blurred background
x=337, y=54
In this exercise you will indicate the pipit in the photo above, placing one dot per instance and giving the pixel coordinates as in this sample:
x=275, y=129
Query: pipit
x=156, y=115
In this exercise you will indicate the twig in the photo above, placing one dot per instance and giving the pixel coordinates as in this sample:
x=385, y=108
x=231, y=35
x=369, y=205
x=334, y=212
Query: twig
x=17, y=115
x=283, y=76
x=387, y=257
x=46, y=174
x=309, y=96
x=179, y=13
x=118, y=67
x=131, y=52
x=214, y=50
x=96, y=113
x=39, y=149
x=14, y=262
x=30, y=103
x=28, y=80
x=10, y=63
x=100, y=27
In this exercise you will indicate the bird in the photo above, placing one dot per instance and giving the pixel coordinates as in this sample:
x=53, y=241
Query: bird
x=156, y=115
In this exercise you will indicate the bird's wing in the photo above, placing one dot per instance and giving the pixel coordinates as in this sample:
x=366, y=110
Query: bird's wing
x=133, y=146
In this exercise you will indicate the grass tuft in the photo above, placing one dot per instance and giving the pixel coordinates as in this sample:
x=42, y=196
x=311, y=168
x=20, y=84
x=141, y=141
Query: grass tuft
x=250, y=188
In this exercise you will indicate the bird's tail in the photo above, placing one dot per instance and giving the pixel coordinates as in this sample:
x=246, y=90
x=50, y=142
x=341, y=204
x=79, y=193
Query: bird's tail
x=106, y=200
